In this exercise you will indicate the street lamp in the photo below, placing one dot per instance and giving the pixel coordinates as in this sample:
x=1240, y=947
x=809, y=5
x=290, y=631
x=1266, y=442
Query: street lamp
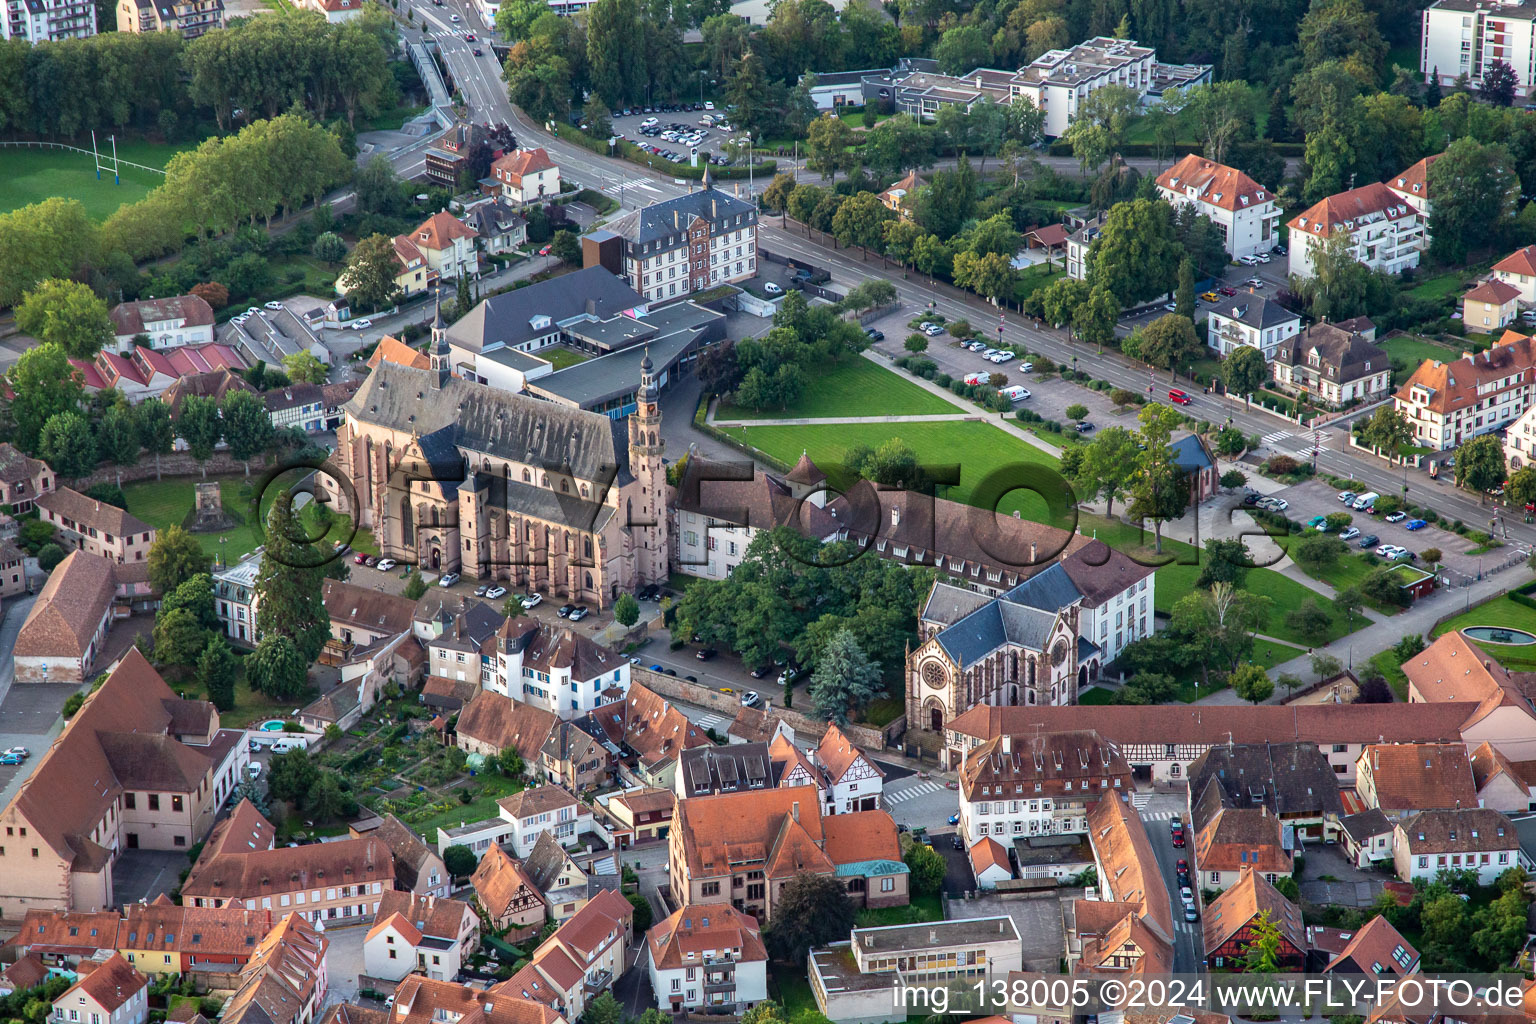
x=701, y=86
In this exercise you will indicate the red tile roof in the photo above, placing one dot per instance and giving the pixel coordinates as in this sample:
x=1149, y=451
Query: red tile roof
x=514, y=165
x=129, y=317
x=692, y=932
x=62, y=621
x=1348, y=208
x=1492, y=291
x=1217, y=184
x=440, y=231
x=111, y=985
x=1521, y=261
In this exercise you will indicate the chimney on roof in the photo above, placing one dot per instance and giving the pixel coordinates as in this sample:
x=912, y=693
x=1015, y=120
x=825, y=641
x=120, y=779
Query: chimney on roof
x=933, y=935
x=1034, y=552
x=1007, y=744
x=794, y=810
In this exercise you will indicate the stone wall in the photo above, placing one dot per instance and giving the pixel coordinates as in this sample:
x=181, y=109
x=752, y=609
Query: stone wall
x=177, y=464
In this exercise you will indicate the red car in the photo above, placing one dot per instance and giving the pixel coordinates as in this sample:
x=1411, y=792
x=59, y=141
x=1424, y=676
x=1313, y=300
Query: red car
x=359, y=558
x=1177, y=832
x=1178, y=397
x=1226, y=290
x=544, y=251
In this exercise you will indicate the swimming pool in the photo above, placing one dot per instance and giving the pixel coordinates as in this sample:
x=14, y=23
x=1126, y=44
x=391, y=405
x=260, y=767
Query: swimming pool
x=271, y=725
x=1500, y=635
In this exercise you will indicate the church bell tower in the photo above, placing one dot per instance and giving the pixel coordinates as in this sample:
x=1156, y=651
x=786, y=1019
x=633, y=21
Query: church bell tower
x=647, y=508
x=442, y=357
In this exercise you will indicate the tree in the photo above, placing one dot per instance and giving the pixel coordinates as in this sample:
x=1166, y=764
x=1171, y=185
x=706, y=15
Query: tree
x=1315, y=552
x=304, y=367
x=196, y=597
x=152, y=420
x=174, y=558
x=1522, y=486
x=329, y=248
x=289, y=583
x=1184, y=294
x=291, y=775
x=1349, y=601
x=325, y=799
x=276, y=668
x=1170, y=342
x=861, y=221
x=926, y=866
x=415, y=586
x=603, y=1010
x=811, y=910
x=48, y=556
x=1220, y=114
x=67, y=314
x=1136, y=255
x=963, y=49
x=511, y=762
x=1094, y=320
x=1343, y=31
x=43, y=384
x=1246, y=371
x=1101, y=123
x=199, y=426
x=1108, y=463
x=1252, y=683
x=1262, y=954
x=67, y=445
x=1158, y=489
x=247, y=425
x=626, y=610
x=216, y=671
x=1387, y=431
x=565, y=247
x=991, y=275
x=458, y=859
x=538, y=78
x=1479, y=464
x=370, y=274
x=916, y=343
x=1226, y=560
x=1122, y=398
x=179, y=638
x=826, y=145
x=117, y=436
x=52, y=239
x=1499, y=84
x=844, y=679
x=1475, y=192
x=776, y=195
x=1310, y=620
x=1076, y=411
x=1325, y=666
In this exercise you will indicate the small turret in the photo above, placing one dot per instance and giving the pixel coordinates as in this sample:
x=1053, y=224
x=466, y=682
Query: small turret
x=442, y=358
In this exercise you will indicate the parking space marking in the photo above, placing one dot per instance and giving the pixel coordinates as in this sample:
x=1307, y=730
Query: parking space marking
x=922, y=788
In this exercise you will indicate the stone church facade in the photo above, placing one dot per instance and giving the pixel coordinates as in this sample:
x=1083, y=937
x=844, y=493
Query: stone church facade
x=456, y=476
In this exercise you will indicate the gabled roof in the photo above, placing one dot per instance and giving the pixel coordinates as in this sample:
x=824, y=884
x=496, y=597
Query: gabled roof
x=1420, y=776
x=1488, y=764
x=837, y=754
x=130, y=317
x=1521, y=261
x=691, y=933
x=1468, y=830
x=989, y=853
x=1131, y=873
x=1493, y=292
x=1288, y=778
x=860, y=837
x=547, y=861
x=1215, y=184
x=395, y=922
x=502, y=722
x=1346, y=210
x=367, y=608
x=85, y=511
x=1454, y=669
x=1378, y=948
x=110, y=985
x=1250, y=896
x=519, y=162
x=731, y=828
x=410, y=851
x=440, y=231
x=646, y=723
x=498, y=880
x=1415, y=180
x=62, y=621
x=395, y=351
x=433, y=916
x=544, y=799
x=1343, y=354
x=1253, y=310
x=671, y=218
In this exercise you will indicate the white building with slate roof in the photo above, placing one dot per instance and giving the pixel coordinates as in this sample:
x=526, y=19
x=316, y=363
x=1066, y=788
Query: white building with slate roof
x=1039, y=643
x=688, y=244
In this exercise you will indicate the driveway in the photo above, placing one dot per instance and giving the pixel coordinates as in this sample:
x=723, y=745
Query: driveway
x=959, y=877
x=145, y=874
x=1038, y=919
x=1329, y=878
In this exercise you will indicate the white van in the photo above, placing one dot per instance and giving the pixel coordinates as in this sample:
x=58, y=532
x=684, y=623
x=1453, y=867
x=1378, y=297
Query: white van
x=1364, y=502
x=1015, y=393
x=288, y=743
x=979, y=377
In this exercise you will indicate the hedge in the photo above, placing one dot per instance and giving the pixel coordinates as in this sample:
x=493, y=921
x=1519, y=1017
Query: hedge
x=700, y=423
x=1061, y=147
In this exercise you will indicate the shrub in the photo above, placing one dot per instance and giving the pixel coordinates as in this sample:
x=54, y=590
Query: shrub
x=1430, y=554
x=48, y=556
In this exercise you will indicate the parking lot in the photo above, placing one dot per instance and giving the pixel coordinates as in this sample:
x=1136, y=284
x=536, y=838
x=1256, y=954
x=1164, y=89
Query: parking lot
x=682, y=122
x=1264, y=279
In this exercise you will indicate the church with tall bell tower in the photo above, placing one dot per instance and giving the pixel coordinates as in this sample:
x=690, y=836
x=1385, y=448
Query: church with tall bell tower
x=459, y=476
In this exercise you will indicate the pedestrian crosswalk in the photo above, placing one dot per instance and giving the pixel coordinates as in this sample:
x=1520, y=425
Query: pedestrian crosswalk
x=921, y=788
x=1273, y=440
x=715, y=722
x=1159, y=815
x=1284, y=440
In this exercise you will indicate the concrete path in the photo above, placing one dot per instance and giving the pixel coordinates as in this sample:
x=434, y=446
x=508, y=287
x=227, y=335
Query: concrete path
x=803, y=421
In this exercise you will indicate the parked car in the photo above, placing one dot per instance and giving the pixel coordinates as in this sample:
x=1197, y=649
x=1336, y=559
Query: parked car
x=1170, y=307
x=11, y=759
x=1026, y=367
x=751, y=699
x=1191, y=914
x=362, y=325
x=273, y=305
x=772, y=288
x=1227, y=290
x=386, y=564
x=1084, y=427
x=21, y=752
x=254, y=769
x=481, y=589
x=370, y=561
x=1397, y=517
x=760, y=671
x=959, y=841
x=1350, y=533
x=875, y=335
x=581, y=611
x=706, y=653
x=1318, y=523
x=933, y=330
x=954, y=819
x=496, y=593
x=1370, y=540
x=1187, y=895
x=1210, y=296
x=1279, y=504
x=1001, y=357
x=532, y=599
x=359, y=558
x=1345, y=497
x=1415, y=524
x=449, y=579
x=565, y=610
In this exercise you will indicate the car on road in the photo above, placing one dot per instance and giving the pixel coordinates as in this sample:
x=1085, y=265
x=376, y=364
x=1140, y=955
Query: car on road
x=386, y=564
x=479, y=52
x=1415, y=524
x=1350, y=533
x=532, y=599
x=469, y=37
x=1170, y=307
x=1179, y=397
x=582, y=611
x=1176, y=830
x=751, y=699
x=449, y=579
x=1191, y=914
x=11, y=759
x=1187, y=895
x=706, y=653
x=1181, y=868
x=954, y=819
x=1345, y=497
x=496, y=593
x=1370, y=540
x=1397, y=517
x=544, y=251
x=657, y=668
x=1210, y=296
x=362, y=325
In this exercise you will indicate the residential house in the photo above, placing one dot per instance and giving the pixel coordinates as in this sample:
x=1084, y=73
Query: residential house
x=707, y=957
x=1503, y=784
x=420, y=1000
x=181, y=319
x=420, y=933
x=742, y=848
x=854, y=980
x=651, y=735
x=498, y=226
x=1080, y=246
x=235, y=598
x=758, y=725
x=111, y=993
x=298, y=405
x=447, y=245
x=1332, y=365
x=526, y=176
x=1129, y=928
x=1490, y=306
x=1249, y=319
x=1518, y=270
x=1366, y=837
x=21, y=974
x=565, y=884
x=1495, y=34
x=1449, y=403
x=543, y=809
x=555, y=668
x=13, y=570
x=1242, y=210
x=491, y=723
x=412, y=274
x=96, y=527
x=1479, y=840
x=901, y=197
x=1376, y=949
x=507, y=894
x=686, y=244
x=447, y=159
x=853, y=782
x=577, y=756
x=1230, y=920
x=1037, y=784
x=1293, y=781
x=1454, y=670
x=643, y=815
x=1233, y=840
x=163, y=938
x=286, y=980
x=418, y=868
x=1520, y=441
x=22, y=479
x=67, y=625
x=337, y=11
x=581, y=959
x=135, y=767
x=62, y=939
x=1384, y=230
x=212, y=384
x=989, y=863
x=362, y=618
x=332, y=881
x=1400, y=779
x=704, y=771
x=462, y=644
x=393, y=350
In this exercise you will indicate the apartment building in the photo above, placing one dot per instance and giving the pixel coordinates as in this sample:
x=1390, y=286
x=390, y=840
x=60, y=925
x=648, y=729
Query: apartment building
x=556, y=669
x=1518, y=270
x=1242, y=210
x=692, y=243
x=1250, y=320
x=1385, y=232
x=1519, y=442
x=421, y=934
x=1332, y=364
x=707, y=957
x=42, y=21
x=1448, y=403
x=286, y=980
x=135, y=767
x=1035, y=784
x=1058, y=81
x=1464, y=37
x=180, y=319
x=1476, y=839
x=22, y=479
x=96, y=527
x=526, y=175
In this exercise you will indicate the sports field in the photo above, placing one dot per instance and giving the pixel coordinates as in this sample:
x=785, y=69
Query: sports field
x=32, y=175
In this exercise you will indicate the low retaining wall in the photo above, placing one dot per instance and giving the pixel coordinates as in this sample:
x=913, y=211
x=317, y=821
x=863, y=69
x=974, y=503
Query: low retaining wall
x=177, y=464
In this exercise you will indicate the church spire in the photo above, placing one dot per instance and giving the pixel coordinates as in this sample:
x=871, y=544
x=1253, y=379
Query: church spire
x=442, y=358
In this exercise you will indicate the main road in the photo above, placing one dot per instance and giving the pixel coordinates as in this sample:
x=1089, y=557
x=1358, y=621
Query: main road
x=479, y=83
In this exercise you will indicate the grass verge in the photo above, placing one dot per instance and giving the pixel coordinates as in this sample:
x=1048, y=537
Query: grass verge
x=856, y=387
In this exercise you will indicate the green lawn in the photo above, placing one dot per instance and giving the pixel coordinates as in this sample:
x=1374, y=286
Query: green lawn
x=1413, y=350
x=1039, y=276
x=1440, y=286
x=922, y=908
x=1501, y=611
x=980, y=451
x=1386, y=663
x=1095, y=695
x=160, y=503
x=32, y=175
x=1351, y=571
x=1175, y=581
x=856, y=387
x=561, y=357
x=488, y=790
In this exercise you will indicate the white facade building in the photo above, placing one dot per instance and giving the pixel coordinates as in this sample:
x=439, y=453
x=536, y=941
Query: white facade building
x=1464, y=37
x=1039, y=785
x=707, y=957
x=234, y=598
x=1386, y=232
x=689, y=244
x=1243, y=210
x=40, y=21
x=1250, y=320
x=1520, y=441
x=1475, y=839
x=168, y=323
x=1447, y=403
x=556, y=669
x=1518, y=270
x=523, y=817
x=1058, y=81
